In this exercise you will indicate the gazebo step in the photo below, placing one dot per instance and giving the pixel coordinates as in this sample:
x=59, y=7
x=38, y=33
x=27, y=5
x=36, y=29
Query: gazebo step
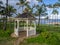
x=22, y=33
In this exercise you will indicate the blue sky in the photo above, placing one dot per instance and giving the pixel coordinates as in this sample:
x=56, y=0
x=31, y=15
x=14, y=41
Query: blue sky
x=32, y=2
x=50, y=1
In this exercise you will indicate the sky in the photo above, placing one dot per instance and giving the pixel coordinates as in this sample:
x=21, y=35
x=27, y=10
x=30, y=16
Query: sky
x=32, y=2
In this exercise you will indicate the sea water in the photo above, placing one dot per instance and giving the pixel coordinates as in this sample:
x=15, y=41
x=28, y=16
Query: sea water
x=45, y=21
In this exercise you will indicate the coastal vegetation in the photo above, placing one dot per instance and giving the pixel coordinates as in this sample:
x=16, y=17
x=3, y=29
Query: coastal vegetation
x=48, y=34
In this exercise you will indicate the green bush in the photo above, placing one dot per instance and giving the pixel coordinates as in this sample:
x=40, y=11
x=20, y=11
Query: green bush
x=6, y=33
x=44, y=28
x=49, y=38
x=40, y=29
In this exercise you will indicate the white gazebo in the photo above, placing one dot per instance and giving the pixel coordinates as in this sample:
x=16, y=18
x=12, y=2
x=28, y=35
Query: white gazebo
x=25, y=25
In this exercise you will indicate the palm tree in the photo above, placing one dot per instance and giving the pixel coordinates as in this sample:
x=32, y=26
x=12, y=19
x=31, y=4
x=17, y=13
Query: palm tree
x=1, y=7
x=5, y=23
x=11, y=11
x=28, y=9
x=41, y=10
x=7, y=11
x=0, y=11
x=54, y=7
x=55, y=12
x=21, y=3
x=1, y=3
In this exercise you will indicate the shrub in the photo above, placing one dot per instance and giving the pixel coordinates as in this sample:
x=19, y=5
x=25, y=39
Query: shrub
x=44, y=28
x=41, y=28
x=49, y=38
x=6, y=33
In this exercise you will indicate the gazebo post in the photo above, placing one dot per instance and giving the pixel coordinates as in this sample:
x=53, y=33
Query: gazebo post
x=34, y=27
x=27, y=27
x=16, y=28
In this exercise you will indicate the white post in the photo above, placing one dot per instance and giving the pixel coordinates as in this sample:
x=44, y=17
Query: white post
x=27, y=28
x=16, y=28
x=24, y=26
x=35, y=28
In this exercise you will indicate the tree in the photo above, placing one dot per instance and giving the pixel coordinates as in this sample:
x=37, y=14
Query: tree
x=5, y=23
x=11, y=11
x=55, y=7
x=1, y=7
x=21, y=3
x=1, y=3
x=28, y=9
x=41, y=10
x=7, y=11
x=55, y=12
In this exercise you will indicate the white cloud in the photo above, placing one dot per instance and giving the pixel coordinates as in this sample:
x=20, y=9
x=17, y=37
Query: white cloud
x=48, y=8
x=13, y=2
x=33, y=1
x=54, y=16
x=36, y=2
x=28, y=0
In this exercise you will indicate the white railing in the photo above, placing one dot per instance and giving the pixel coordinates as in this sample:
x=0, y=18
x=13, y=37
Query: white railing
x=25, y=28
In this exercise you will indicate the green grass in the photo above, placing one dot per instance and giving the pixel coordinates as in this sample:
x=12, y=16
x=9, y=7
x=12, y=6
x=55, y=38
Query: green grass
x=43, y=28
x=7, y=40
x=45, y=38
x=5, y=36
x=48, y=35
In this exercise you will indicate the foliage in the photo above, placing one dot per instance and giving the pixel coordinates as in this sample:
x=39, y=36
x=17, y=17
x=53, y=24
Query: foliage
x=50, y=38
x=11, y=10
x=45, y=27
x=55, y=12
x=22, y=3
x=48, y=35
x=23, y=23
x=5, y=36
x=6, y=33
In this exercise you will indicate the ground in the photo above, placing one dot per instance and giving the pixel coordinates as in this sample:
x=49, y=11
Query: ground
x=47, y=35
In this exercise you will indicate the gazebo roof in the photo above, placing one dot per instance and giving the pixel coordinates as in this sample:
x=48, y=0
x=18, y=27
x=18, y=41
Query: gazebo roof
x=26, y=15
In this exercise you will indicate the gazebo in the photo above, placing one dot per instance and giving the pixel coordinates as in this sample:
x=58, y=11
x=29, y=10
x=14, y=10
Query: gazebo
x=25, y=25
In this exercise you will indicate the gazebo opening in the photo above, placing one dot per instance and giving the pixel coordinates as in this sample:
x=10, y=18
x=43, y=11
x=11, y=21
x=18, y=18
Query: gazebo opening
x=22, y=31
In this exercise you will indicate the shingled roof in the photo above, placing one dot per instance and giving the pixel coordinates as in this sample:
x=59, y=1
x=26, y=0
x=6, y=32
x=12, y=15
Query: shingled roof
x=26, y=15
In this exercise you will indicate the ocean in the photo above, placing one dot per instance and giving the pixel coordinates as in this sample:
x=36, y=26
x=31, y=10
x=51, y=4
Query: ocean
x=45, y=21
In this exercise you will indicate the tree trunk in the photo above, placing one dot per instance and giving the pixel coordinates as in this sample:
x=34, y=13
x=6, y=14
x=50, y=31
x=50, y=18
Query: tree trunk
x=5, y=22
x=22, y=9
x=39, y=20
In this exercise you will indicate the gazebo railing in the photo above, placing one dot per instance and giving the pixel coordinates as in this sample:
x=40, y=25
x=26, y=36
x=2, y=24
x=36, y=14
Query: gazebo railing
x=25, y=28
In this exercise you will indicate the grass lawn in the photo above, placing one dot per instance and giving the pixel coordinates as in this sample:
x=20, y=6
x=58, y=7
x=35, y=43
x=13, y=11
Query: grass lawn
x=7, y=41
x=44, y=38
x=48, y=35
x=5, y=36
